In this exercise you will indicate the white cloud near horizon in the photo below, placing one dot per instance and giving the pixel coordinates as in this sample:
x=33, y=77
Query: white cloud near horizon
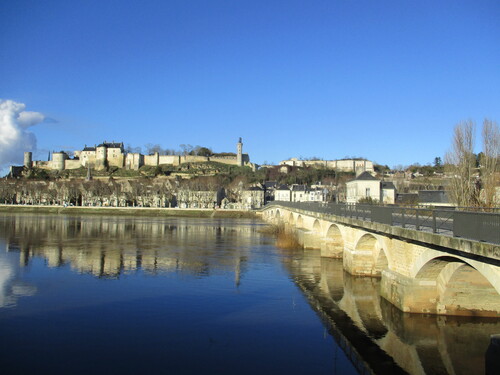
x=15, y=139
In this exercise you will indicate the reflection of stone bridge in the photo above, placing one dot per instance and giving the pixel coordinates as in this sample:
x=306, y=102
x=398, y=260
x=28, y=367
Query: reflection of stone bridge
x=421, y=272
x=377, y=337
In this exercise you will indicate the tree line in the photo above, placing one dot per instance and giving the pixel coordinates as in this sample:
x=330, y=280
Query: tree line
x=475, y=179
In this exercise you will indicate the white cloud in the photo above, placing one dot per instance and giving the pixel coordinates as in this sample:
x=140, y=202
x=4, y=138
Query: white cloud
x=14, y=138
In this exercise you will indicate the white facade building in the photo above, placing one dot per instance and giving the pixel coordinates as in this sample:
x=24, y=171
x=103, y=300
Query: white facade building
x=365, y=186
x=283, y=194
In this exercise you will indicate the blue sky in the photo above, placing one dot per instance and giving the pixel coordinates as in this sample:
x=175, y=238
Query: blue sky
x=386, y=80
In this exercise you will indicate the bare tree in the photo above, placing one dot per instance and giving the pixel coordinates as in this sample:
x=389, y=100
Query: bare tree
x=153, y=148
x=460, y=164
x=186, y=149
x=130, y=149
x=490, y=162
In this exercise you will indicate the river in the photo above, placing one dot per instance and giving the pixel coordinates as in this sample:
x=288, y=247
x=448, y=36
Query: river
x=123, y=295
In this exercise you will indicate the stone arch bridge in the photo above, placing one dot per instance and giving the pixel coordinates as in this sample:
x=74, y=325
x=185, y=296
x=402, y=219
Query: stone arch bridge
x=420, y=271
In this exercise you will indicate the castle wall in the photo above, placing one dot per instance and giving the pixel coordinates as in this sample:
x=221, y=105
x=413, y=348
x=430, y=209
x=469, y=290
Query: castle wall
x=348, y=165
x=42, y=164
x=117, y=161
x=344, y=165
x=151, y=160
x=194, y=159
x=232, y=160
x=115, y=157
x=72, y=164
x=134, y=161
x=169, y=159
x=87, y=157
x=354, y=165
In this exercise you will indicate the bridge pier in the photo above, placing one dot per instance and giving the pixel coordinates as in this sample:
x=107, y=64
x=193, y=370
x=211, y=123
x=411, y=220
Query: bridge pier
x=332, y=248
x=307, y=239
x=408, y=294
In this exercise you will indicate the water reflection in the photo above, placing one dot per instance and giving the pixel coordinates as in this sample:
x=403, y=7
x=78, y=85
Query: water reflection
x=418, y=344
x=375, y=336
x=219, y=301
x=111, y=246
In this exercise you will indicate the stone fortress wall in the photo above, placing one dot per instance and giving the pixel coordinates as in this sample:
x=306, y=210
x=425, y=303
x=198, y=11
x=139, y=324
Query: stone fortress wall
x=113, y=155
x=344, y=165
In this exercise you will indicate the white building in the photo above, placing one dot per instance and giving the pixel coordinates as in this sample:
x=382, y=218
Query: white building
x=252, y=198
x=365, y=186
x=283, y=194
x=317, y=195
x=300, y=193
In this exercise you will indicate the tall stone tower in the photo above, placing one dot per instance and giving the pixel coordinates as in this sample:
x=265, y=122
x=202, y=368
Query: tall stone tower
x=28, y=159
x=240, y=153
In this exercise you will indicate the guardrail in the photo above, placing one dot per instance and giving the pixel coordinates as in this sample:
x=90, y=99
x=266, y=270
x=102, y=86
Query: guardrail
x=473, y=225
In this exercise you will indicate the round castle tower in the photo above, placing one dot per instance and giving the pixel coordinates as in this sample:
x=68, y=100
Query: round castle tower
x=28, y=159
x=58, y=160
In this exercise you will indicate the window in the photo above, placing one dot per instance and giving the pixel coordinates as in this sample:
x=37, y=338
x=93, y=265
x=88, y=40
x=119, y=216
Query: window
x=367, y=192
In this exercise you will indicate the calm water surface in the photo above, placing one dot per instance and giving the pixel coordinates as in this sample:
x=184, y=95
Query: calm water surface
x=115, y=295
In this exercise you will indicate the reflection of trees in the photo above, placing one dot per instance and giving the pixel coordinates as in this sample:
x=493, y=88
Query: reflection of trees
x=110, y=246
x=419, y=344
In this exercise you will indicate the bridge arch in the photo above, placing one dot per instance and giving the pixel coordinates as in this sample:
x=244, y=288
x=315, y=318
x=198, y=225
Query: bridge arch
x=460, y=288
x=291, y=220
x=369, y=257
x=300, y=222
x=334, y=242
x=316, y=226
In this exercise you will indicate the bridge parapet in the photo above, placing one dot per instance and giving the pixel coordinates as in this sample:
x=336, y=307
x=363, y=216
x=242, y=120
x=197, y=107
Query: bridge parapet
x=474, y=225
x=413, y=225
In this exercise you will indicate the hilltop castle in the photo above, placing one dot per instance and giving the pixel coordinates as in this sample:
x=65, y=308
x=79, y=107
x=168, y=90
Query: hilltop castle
x=109, y=154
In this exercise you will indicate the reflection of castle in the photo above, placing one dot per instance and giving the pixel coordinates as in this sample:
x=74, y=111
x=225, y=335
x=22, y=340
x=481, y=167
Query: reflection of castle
x=378, y=337
x=113, y=154
x=108, y=247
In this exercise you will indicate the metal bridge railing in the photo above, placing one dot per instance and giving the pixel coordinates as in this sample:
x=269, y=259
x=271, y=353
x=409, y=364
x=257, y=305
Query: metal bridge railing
x=450, y=221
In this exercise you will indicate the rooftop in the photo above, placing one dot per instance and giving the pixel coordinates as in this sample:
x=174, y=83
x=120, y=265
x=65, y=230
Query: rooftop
x=366, y=176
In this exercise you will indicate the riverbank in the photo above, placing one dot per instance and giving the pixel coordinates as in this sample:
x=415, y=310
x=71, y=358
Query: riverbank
x=127, y=211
